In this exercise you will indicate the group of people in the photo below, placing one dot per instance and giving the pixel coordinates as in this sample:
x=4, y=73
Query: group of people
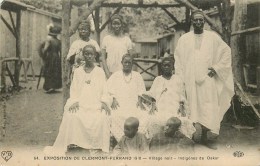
x=111, y=101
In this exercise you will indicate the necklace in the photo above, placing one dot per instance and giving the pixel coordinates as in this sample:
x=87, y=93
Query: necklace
x=164, y=89
x=125, y=78
x=88, y=76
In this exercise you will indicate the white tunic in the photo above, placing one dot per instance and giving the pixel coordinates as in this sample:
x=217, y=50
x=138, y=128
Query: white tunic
x=77, y=46
x=168, y=94
x=116, y=47
x=88, y=127
x=208, y=98
x=126, y=91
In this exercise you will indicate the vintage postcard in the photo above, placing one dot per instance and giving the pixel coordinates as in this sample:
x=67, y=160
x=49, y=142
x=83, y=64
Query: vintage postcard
x=129, y=82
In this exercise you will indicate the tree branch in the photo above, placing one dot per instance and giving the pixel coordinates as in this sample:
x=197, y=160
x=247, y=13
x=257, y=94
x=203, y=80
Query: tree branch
x=89, y=10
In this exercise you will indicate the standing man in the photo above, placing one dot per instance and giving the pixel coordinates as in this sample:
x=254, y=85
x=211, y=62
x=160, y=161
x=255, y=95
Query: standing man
x=203, y=61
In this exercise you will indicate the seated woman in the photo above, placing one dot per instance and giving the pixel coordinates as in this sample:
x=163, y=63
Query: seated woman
x=84, y=124
x=124, y=86
x=168, y=94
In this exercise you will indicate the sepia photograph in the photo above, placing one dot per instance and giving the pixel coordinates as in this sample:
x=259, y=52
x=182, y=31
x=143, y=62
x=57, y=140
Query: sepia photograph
x=130, y=82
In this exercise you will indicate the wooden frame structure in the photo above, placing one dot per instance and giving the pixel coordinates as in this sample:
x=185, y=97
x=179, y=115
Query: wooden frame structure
x=15, y=29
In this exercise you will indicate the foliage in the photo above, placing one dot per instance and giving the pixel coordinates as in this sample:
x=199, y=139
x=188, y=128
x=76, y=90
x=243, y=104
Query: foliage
x=150, y=22
x=53, y=6
x=141, y=22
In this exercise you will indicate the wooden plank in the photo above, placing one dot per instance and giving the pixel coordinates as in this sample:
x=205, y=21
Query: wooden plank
x=105, y=24
x=146, y=60
x=17, y=66
x=96, y=22
x=238, y=45
x=249, y=30
x=12, y=21
x=10, y=75
x=96, y=4
x=3, y=80
x=187, y=18
x=8, y=26
x=247, y=98
x=171, y=15
x=144, y=69
x=135, y=5
x=45, y=13
x=149, y=68
x=225, y=18
x=80, y=2
x=65, y=45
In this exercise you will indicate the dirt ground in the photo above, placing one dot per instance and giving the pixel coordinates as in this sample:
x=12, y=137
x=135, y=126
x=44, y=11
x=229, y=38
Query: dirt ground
x=33, y=118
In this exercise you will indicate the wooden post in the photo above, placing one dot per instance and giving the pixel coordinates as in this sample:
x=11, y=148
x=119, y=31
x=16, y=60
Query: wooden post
x=17, y=66
x=238, y=45
x=187, y=18
x=96, y=4
x=225, y=16
x=171, y=15
x=214, y=26
x=65, y=45
x=2, y=79
x=97, y=13
x=258, y=59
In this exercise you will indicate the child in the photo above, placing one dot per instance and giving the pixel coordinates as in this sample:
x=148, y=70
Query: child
x=132, y=142
x=171, y=140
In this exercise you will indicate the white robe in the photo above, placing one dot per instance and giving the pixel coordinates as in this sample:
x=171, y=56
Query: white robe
x=116, y=47
x=208, y=98
x=126, y=91
x=77, y=46
x=88, y=128
x=168, y=94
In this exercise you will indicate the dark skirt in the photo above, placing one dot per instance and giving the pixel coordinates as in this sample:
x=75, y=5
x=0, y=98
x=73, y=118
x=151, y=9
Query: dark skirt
x=52, y=72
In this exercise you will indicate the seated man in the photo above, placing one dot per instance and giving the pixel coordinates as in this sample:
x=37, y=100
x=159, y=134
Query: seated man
x=167, y=99
x=132, y=142
x=124, y=86
x=171, y=141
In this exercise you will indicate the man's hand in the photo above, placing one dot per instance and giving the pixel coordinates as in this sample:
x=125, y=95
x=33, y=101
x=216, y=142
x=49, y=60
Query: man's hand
x=115, y=104
x=74, y=107
x=212, y=72
x=153, y=108
x=106, y=108
x=140, y=104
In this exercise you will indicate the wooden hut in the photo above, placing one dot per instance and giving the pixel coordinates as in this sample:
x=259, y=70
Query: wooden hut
x=22, y=29
x=251, y=63
x=147, y=49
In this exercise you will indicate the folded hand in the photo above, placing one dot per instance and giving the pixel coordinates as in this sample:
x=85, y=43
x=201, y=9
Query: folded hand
x=74, y=107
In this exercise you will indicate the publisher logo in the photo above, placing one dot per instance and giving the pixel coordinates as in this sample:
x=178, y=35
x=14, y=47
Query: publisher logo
x=6, y=155
x=238, y=154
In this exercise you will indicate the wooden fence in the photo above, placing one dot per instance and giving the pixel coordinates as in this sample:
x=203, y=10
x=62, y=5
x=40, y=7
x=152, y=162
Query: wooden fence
x=33, y=31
